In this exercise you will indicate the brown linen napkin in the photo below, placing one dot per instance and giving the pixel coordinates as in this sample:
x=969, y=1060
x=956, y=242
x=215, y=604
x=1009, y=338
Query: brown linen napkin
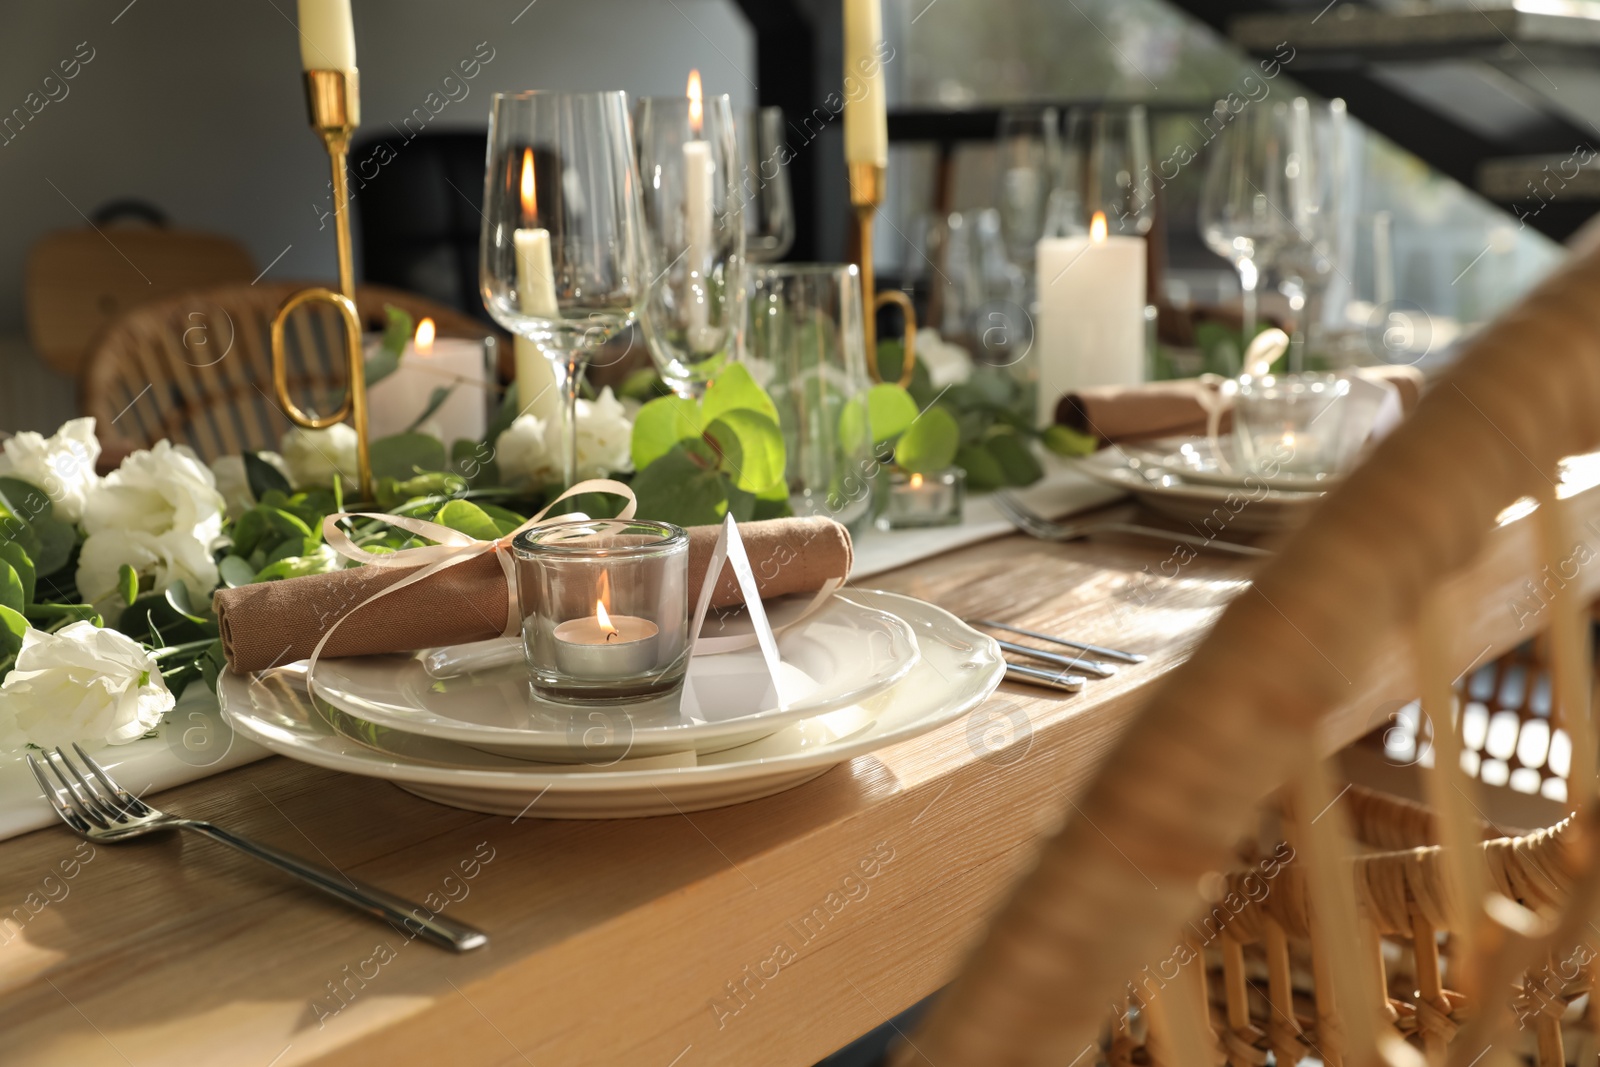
x=1117, y=413
x=275, y=623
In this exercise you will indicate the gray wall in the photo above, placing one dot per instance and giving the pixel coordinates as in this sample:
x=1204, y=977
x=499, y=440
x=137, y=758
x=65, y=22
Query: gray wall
x=196, y=106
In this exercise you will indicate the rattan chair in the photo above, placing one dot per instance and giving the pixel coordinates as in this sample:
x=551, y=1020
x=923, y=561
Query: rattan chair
x=196, y=368
x=1116, y=887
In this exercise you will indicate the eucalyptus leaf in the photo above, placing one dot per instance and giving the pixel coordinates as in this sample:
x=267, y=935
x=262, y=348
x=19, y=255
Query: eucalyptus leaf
x=752, y=448
x=12, y=628
x=466, y=517
x=178, y=597
x=733, y=389
x=504, y=416
x=127, y=583
x=56, y=540
x=929, y=444
x=983, y=469
x=890, y=411
x=436, y=400
x=298, y=566
x=27, y=500
x=405, y=455
x=660, y=426
x=263, y=476
x=1065, y=441
x=1016, y=459
x=676, y=489
x=11, y=593
x=236, y=572
x=13, y=554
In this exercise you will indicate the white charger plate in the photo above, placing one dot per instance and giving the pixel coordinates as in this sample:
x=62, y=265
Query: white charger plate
x=840, y=655
x=958, y=669
x=1218, y=508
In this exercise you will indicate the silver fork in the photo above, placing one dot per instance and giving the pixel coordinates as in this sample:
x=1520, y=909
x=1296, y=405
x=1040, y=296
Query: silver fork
x=1035, y=525
x=102, y=811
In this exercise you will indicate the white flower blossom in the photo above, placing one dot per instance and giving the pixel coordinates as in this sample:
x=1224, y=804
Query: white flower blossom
x=61, y=465
x=159, y=512
x=531, y=452
x=81, y=683
x=313, y=456
x=947, y=364
x=233, y=481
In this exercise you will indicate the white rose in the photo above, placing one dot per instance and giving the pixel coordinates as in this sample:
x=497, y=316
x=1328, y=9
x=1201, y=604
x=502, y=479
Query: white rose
x=62, y=465
x=522, y=456
x=605, y=436
x=159, y=512
x=313, y=456
x=81, y=683
x=233, y=481
x=947, y=364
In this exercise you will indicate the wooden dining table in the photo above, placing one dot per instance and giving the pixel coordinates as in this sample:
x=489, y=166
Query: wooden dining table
x=768, y=933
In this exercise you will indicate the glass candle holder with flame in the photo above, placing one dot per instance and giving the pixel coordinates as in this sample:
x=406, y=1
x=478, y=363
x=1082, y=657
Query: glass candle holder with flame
x=605, y=609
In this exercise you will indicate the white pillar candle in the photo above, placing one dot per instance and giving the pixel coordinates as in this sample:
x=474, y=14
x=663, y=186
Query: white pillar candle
x=698, y=171
x=457, y=363
x=327, y=35
x=538, y=393
x=1090, y=328
x=866, y=115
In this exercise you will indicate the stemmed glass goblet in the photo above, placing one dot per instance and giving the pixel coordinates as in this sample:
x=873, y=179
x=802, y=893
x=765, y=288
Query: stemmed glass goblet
x=692, y=205
x=564, y=258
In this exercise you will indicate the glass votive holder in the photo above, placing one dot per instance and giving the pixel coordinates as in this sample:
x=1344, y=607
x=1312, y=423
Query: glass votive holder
x=605, y=609
x=915, y=501
x=1292, y=423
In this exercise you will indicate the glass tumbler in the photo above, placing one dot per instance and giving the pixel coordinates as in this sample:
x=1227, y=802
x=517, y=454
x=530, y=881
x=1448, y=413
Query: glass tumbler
x=1292, y=423
x=806, y=345
x=605, y=609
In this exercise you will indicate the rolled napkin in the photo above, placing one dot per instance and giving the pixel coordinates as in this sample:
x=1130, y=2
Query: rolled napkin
x=1117, y=413
x=273, y=623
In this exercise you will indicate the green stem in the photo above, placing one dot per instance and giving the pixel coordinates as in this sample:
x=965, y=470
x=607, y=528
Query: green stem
x=188, y=646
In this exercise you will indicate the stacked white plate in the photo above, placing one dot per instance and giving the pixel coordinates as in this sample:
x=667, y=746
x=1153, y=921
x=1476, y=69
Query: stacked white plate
x=1187, y=478
x=867, y=670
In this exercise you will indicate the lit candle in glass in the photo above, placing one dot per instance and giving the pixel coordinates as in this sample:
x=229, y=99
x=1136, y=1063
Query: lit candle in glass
x=606, y=646
x=918, y=500
x=537, y=391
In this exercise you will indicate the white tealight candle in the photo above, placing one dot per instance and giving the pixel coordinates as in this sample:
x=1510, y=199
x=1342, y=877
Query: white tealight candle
x=698, y=171
x=606, y=646
x=1090, y=328
x=327, y=35
x=537, y=391
x=866, y=117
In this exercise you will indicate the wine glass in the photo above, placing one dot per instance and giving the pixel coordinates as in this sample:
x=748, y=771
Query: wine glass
x=1105, y=170
x=693, y=209
x=1029, y=149
x=764, y=185
x=1314, y=258
x=564, y=260
x=1245, y=196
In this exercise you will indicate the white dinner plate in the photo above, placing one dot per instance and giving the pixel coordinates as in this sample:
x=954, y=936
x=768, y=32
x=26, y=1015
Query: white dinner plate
x=1196, y=459
x=840, y=655
x=958, y=669
x=1214, y=508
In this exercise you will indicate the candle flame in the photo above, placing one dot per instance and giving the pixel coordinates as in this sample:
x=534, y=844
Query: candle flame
x=1097, y=228
x=530, y=199
x=916, y=481
x=696, y=107
x=423, y=342
x=604, y=620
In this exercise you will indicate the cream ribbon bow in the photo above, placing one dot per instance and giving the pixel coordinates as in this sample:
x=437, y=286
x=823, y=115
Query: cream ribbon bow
x=452, y=548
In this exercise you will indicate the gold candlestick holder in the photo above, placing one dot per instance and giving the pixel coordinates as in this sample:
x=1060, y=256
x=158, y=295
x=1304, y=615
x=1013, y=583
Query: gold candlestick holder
x=867, y=181
x=333, y=99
